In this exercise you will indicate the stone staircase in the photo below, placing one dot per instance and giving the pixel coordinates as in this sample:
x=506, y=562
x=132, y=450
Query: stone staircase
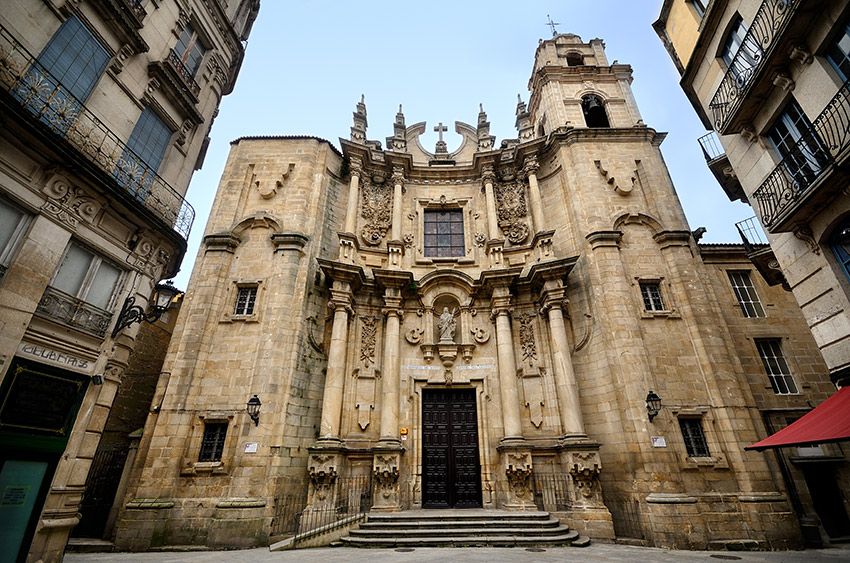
x=461, y=528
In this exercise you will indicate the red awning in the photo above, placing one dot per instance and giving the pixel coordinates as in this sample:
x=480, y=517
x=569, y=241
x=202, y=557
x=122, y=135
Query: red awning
x=827, y=422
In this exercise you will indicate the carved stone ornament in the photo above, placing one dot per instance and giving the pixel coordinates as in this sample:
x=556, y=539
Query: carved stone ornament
x=480, y=239
x=414, y=335
x=368, y=332
x=323, y=474
x=585, y=468
x=518, y=472
x=526, y=337
x=67, y=203
x=408, y=240
x=376, y=202
x=268, y=188
x=480, y=335
x=385, y=471
x=511, y=210
x=148, y=256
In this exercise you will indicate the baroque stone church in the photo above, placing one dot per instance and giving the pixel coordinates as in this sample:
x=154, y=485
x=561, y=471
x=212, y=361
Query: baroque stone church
x=476, y=328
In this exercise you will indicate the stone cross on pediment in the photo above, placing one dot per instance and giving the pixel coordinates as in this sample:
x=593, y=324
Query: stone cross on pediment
x=441, y=144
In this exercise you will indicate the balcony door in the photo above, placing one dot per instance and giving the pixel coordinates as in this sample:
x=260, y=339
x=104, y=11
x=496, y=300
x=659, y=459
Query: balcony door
x=793, y=136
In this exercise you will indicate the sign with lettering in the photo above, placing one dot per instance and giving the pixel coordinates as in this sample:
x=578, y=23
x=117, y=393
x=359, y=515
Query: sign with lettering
x=64, y=360
x=658, y=441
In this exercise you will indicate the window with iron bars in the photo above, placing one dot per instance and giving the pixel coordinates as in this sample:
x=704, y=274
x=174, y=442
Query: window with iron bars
x=212, y=444
x=770, y=350
x=246, y=297
x=694, y=437
x=651, y=294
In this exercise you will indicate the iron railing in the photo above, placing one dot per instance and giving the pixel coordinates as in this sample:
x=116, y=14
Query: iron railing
x=345, y=501
x=711, y=147
x=751, y=232
x=2, y=271
x=137, y=8
x=769, y=23
x=181, y=70
x=807, y=161
x=626, y=514
x=40, y=95
x=67, y=309
x=551, y=492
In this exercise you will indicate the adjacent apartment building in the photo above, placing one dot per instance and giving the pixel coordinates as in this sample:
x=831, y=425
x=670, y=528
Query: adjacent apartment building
x=106, y=111
x=770, y=77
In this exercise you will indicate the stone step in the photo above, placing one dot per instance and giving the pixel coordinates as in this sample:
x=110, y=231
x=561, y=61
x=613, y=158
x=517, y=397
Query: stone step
x=453, y=541
x=486, y=515
x=456, y=524
x=458, y=533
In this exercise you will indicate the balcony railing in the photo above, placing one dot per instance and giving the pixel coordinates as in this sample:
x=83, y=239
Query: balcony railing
x=39, y=95
x=66, y=309
x=751, y=232
x=809, y=160
x=183, y=72
x=711, y=147
x=758, y=43
x=137, y=8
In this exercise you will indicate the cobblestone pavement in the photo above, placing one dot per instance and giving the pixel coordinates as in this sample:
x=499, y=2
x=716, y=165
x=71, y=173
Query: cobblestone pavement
x=594, y=553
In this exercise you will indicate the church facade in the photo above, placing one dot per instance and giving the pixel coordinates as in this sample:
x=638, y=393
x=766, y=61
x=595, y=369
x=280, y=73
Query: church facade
x=476, y=328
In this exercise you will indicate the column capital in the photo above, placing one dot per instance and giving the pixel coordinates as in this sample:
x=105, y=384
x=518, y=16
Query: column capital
x=498, y=311
x=355, y=167
x=530, y=165
x=391, y=311
x=556, y=297
x=341, y=300
x=488, y=175
x=398, y=176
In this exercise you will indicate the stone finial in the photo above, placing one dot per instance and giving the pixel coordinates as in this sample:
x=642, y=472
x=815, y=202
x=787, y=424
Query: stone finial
x=523, y=121
x=358, y=130
x=442, y=148
x=398, y=142
x=485, y=140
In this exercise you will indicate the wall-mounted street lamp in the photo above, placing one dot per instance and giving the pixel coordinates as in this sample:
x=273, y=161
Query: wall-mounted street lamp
x=653, y=405
x=253, y=408
x=131, y=313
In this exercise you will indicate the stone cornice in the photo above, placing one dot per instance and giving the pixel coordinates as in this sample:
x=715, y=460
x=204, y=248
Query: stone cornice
x=342, y=272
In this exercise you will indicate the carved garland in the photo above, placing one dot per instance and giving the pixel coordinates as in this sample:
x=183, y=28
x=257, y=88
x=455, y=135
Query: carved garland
x=376, y=209
x=526, y=337
x=511, y=210
x=367, y=340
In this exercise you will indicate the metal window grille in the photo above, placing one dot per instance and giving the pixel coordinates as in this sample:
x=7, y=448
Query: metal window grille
x=770, y=350
x=245, y=300
x=212, y=445
x=651, y=294
x=444, y=233
x=748, y=299
x=694, y=437
x=794, y=138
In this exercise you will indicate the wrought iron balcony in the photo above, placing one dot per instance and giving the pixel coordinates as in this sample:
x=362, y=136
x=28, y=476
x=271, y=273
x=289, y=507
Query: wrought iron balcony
x=718, y=163
x=2, y=271
x=799, y=176
x=32, y=91
x=760, y=252
x=60, y=307
x=769, y=23
x=126, y=18
x=183, y=72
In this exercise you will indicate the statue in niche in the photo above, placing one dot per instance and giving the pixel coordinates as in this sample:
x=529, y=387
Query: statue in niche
x=447, y=325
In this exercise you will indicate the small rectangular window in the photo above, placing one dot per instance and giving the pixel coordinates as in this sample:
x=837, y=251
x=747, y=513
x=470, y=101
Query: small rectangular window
x=651, y=294
x=444, y=233
x=694, y=437
x=190, y=49
x=839, y=52
x=13, y=223
x=246, y=297
x=770, y=350
x=87, y=276
x=212, y=445
x=748, y=299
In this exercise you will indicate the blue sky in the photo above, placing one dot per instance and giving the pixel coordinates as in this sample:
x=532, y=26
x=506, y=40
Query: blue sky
x=308, y=62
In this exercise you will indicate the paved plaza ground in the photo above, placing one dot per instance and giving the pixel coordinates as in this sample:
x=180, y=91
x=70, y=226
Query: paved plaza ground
x=595, y=553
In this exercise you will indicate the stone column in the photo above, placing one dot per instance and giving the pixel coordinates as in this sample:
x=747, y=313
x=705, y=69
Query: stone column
x=530, y=168
x=487, y=179
x=565, y=379
x=332, y=399
x=507, y=374
x=353, y=196
x=398, y=190
x=390, y=367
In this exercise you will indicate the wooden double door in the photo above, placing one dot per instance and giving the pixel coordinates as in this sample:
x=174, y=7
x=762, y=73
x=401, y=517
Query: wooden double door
x=451, y=471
